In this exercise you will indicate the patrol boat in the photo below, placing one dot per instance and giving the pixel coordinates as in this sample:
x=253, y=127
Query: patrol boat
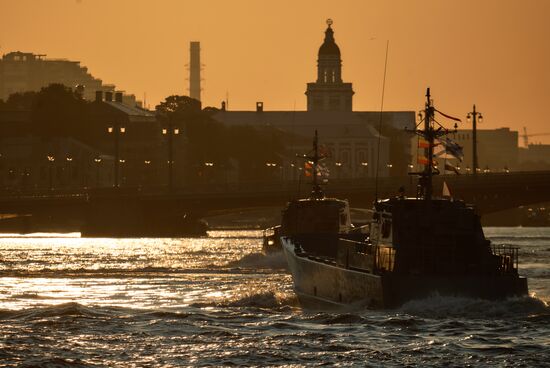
x=315, y=218
x=416, y=247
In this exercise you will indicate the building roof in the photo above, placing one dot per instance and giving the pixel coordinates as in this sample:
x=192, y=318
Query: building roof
x=330, y=124
x=135, y=114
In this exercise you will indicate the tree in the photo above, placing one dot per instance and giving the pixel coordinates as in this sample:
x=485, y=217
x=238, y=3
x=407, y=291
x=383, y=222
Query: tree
x=177, y=107
x=18, y=101
x=57, y=111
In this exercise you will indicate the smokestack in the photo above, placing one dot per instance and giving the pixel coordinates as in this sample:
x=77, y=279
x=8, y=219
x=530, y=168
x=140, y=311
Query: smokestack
x=99, y=96
x=108, y=96
x=118, y=97
x=195, y=71
x=259, y=106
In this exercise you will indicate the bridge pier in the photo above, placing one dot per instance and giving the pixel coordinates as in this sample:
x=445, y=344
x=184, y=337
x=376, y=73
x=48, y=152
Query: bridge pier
x=128, y=217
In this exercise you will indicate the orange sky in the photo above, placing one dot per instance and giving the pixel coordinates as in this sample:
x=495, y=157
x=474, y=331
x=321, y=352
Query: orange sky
x=495, y=53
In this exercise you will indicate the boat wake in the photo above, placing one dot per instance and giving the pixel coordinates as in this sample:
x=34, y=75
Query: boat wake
x=438, y=306
x=274, y=261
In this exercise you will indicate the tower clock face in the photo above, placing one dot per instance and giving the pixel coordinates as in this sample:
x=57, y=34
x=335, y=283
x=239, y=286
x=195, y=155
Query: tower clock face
x=329, y=22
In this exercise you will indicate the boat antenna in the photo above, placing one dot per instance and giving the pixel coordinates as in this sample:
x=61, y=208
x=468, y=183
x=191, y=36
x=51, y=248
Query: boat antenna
x=313, y=161
x=380, y=124
x=430, y=134
x=316, y=191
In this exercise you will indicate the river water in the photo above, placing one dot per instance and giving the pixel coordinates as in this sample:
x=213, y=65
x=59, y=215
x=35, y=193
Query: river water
x=68, y=301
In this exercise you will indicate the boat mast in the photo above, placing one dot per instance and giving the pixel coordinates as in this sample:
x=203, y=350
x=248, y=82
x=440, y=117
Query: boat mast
x=316, y=192
x=429, y=136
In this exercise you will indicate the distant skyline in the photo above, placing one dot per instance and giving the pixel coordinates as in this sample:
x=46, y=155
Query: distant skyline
x=493, y=53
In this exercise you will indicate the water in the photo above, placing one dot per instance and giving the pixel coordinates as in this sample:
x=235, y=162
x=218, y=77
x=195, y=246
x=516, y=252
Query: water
x=67, y=301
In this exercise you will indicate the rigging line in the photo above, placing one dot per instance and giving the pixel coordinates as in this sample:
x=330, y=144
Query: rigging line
x=294, y=168
x=380, y=123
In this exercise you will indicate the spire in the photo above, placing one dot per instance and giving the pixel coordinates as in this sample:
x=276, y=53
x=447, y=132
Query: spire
x=329, y=92
x=329, y=33
x=329, y=47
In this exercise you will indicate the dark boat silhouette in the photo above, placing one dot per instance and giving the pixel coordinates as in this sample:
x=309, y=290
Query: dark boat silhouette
x=413, y=247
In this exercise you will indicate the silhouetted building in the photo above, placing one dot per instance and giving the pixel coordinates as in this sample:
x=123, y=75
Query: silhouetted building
x=141, y=156
x=24, y=71
x=329, y=92
x=535, y=157
x=497, y=150
x=28, y=162
x=195, y=71
x=351, y=137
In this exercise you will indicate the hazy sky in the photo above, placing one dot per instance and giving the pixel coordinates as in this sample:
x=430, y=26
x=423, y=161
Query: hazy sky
x=495, y=53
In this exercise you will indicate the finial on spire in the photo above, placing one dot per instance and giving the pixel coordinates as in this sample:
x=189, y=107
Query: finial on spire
x=329, y=22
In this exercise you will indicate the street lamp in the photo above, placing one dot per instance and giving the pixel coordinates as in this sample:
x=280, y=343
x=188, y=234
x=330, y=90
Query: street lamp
x=338, y=165
x=364, y=166
x=170, y=132
x=473, y=116
x=117, y=130
x=122, y=162
x=51, y=159
x=69, y=171
x=97, y=160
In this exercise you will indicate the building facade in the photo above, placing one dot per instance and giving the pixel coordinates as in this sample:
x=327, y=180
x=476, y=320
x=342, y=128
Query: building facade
x=24, y=71
x=351, y=138
x=497, y=151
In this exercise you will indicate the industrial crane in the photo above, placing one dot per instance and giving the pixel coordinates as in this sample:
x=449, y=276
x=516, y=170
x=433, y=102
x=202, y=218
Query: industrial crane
x=526, y=136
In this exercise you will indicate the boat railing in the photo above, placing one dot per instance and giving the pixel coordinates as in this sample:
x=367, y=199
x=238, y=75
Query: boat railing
x=508, y=257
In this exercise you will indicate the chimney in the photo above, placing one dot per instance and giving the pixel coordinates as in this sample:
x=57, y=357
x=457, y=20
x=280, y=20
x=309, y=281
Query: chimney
x=195, y=70
x=108, y=96
x=98, y=96
x=118, y=97
x=223, y=105
x=259, y=106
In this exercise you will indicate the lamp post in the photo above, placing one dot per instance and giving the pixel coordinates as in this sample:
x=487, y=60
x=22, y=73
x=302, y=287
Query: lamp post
x=116, y=129
x=473, y=116
x=365, y=168
x=122, y=162
x=338, y=165
x=170, y=131
x=51, y=160
x=69, y=171
x=97, y=161
x=147, y=163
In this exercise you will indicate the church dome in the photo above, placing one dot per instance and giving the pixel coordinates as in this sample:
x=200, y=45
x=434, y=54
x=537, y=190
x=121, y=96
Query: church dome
x=329, y=47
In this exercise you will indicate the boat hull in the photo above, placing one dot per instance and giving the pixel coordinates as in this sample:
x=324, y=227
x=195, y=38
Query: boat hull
x=321, y=284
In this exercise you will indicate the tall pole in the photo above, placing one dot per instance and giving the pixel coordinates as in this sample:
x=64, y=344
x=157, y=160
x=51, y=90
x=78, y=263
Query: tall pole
x=170, y=156
x=474, y=140
x=117, y=127
x=429, y=150
x=474, y=115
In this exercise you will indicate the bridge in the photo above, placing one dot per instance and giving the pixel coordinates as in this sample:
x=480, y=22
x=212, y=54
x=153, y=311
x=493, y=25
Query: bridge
x=126, y=211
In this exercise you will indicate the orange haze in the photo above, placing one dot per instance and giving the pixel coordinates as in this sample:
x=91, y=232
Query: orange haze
x=494, y=53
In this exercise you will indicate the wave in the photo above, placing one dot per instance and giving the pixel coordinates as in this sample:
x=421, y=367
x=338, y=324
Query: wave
x=438, y=306
x=60, y=310
x=269, y=299
x=512, y=238
x=276, y=261
x=125, y=272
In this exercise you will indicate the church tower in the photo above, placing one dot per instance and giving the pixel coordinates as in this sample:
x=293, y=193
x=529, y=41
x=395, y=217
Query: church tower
x=329, y=92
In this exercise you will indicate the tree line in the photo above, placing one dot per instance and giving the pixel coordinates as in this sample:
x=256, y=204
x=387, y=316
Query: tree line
x=58, y=111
